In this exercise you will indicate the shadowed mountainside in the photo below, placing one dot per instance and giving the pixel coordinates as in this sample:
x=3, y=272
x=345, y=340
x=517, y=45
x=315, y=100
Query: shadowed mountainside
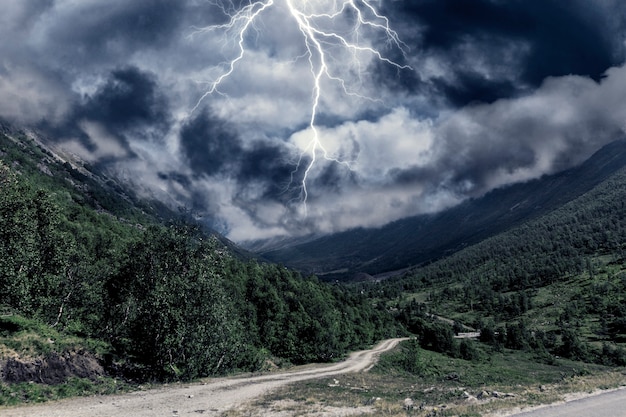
x=422, y=239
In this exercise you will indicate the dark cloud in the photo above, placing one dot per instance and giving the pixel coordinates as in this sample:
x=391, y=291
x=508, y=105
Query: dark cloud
x=469, y=172
x=488, y=101
x=406, y=81
x=334, y=178
x=209, y=144
x=271, y=164
x=272, y=171
x=213, y=147
x=128, y=105
x=130, y=98
x=493, y=49
x=556, y=127
x=93, y=33
x=470, y=86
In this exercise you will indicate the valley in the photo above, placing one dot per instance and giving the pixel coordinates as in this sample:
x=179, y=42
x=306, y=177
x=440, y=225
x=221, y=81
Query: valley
x=151, y=296
x=421, y=240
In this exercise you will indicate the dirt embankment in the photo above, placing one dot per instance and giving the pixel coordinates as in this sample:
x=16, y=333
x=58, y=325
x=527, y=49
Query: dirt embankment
x=54, y=368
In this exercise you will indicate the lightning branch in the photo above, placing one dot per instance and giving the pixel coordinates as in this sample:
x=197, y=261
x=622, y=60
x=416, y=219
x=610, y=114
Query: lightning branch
x=325, y=25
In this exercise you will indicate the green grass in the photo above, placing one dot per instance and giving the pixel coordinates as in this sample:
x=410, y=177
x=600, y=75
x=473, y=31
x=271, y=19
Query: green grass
x=23, y=337
x=28, y=393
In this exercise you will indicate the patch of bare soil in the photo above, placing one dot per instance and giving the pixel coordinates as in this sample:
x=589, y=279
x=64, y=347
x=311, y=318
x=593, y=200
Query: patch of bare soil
x=52, y=369
x=290, y=408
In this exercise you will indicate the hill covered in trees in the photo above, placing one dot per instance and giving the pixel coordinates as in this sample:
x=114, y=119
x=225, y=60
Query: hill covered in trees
x=554, y=285
x=159, y=296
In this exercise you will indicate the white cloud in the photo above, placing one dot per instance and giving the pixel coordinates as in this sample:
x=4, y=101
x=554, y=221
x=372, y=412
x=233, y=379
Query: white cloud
x=28, y=95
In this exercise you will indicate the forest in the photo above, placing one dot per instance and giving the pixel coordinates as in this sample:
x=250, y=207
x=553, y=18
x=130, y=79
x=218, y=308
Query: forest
x=555, y=285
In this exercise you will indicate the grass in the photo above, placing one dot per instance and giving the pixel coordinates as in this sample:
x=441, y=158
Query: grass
x=22, y=337
x=28, y=392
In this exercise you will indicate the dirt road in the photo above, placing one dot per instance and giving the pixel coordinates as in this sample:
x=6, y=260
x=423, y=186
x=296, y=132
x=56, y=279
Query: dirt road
x=208, y=399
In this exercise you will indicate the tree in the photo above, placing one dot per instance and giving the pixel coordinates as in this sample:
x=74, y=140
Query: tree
x=169, y=310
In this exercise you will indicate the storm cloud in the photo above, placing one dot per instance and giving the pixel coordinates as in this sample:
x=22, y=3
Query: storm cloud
x=484, y=50
x=477, y=95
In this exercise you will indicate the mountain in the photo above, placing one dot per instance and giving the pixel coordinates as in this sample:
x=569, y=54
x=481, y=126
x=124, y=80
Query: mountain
x=422, y=239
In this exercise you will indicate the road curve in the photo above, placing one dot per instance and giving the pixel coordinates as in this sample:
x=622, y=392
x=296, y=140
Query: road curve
x=208, y=399
x=605, y=404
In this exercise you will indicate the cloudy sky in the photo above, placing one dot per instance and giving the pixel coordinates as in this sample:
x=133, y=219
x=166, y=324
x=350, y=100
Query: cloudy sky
x=317, y=116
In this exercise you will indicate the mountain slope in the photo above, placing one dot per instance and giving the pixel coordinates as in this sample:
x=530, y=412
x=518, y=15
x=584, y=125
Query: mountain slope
x=424, y=238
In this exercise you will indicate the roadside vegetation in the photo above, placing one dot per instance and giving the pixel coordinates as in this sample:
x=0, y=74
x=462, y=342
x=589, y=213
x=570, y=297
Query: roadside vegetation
x=418, y=382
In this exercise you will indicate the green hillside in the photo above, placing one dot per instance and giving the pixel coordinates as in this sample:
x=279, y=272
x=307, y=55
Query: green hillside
x=555, y=285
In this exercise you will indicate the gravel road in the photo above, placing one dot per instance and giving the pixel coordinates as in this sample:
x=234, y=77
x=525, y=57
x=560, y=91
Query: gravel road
x=202, y=399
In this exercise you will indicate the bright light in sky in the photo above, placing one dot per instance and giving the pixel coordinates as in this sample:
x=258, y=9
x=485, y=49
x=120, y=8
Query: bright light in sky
x=334, y=34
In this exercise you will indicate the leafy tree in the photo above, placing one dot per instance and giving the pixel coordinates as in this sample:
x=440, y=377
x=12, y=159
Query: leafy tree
x=169, y=310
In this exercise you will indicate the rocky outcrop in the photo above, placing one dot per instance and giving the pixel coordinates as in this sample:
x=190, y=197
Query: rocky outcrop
x=54, y=368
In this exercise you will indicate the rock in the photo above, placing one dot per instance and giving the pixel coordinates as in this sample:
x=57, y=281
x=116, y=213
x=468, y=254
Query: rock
x=372, y=400
x=52, y=369
x=482, y=395
x=408, y=404
x=497, y=394
x=469, y=397
x=453, y=376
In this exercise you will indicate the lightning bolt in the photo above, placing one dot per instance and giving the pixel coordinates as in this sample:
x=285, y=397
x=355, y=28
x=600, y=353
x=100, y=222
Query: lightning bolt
x=322, y=24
